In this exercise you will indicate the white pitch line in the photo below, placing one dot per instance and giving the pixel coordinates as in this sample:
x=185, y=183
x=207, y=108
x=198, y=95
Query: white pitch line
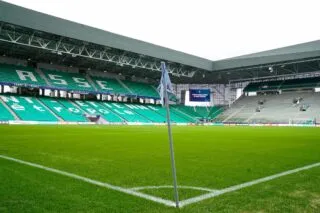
x=169, y=187
x=94, y=182
x=243, y=185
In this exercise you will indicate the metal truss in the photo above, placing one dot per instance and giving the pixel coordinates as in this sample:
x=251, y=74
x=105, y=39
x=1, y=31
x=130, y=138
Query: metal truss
x=281, y=64
x=63, y=46
x=276, y=71
x=278, y=77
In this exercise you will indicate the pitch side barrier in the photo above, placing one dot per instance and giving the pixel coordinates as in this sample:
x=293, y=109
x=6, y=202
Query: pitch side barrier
x=86, y=123
x=151, y=124
x=269, y=124
x=48, y=123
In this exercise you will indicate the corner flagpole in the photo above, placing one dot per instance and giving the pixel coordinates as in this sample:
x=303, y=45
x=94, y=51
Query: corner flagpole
x=173, y=165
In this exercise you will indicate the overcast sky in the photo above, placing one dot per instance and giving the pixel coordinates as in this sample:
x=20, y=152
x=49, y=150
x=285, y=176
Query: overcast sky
x=207, y=28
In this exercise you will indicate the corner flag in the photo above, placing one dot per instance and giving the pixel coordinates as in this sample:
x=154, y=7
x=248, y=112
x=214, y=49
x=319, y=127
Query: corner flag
x=165, y=83
x=163, y=89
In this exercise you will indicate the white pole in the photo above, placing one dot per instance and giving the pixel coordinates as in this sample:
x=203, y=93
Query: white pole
x=173, y=166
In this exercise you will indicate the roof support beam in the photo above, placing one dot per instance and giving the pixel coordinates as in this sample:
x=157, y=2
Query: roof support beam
x=86, y=50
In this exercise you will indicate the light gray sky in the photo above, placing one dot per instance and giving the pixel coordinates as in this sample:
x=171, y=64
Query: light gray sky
x=207, y=28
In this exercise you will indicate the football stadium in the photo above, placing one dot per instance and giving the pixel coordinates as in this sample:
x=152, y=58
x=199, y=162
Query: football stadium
x=84, y=125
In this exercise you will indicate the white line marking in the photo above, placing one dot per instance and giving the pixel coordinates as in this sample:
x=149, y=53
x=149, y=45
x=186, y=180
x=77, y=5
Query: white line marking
x=170, y=187
x=134, y=191
x=243, y=185
x=94, y=182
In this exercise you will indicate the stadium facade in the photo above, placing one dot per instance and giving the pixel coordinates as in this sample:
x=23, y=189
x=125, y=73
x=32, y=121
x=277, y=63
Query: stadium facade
x=57, y=71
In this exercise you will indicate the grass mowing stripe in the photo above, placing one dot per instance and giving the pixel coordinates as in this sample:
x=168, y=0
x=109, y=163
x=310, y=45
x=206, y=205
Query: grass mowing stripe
x=94, y=182
x=247, y=184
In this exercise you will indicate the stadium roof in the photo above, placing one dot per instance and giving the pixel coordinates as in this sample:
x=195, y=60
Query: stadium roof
x=36, y=33
x=39, y=21
x=284, y=54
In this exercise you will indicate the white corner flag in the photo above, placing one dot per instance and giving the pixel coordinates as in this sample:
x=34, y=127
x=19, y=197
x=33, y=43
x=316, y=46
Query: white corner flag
x=163, y=89
x=165, y=82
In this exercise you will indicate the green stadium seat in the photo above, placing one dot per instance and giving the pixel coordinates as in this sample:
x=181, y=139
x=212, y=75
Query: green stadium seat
x=28, y=108
x=183, y=115
x=95, y=108
x=142, y=89
x=72, y=107
x=109, y=85
x=5, y=115
x=62, y=111
x=188, y=110
x=200, y=112
x=20, y=75
x=173, y=116
x=147, y=112
x=124, y=112
x=67, y=81
x=215, y=111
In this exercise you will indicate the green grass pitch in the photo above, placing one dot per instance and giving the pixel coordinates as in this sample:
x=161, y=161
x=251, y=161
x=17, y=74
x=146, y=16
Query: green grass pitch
x=136, y=156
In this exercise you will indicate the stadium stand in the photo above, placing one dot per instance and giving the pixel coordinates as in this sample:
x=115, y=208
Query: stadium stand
x=51, y=109
x=71, y=81
x=48, y=109
x=21, y=75
x=283, y=101
x=300, y=107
